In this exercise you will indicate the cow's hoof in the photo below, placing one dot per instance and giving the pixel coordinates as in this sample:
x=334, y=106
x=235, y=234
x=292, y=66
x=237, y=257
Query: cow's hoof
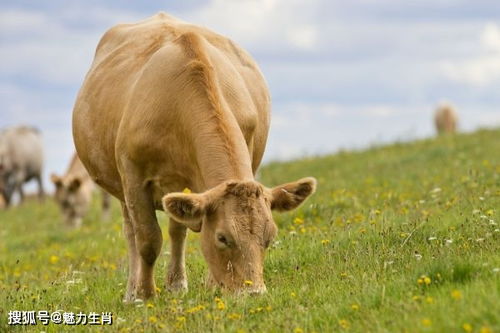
x=129, y=299
x=180, y=286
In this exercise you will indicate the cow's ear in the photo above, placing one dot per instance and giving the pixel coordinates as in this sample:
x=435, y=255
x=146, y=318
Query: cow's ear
x=186, y=208
x=56, y=180
x=75, y=184
x=289, y=196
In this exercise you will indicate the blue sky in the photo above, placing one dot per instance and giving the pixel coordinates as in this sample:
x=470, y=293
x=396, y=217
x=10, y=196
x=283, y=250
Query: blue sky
x=342, y=74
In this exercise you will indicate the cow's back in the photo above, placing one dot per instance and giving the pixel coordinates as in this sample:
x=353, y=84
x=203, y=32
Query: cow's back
x=124, y=56
x=22, y=151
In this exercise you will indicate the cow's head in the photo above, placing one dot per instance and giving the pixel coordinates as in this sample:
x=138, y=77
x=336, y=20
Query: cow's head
x=237, y=226
x=72, y=198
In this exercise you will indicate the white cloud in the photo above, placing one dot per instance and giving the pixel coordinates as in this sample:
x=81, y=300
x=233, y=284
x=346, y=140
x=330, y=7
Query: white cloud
x=18, y=21
x=260, y=24
x=45, y=47
x=381, y=111
x=303, y=37
x=479, y=71
x=490, y=37
x=482, y=69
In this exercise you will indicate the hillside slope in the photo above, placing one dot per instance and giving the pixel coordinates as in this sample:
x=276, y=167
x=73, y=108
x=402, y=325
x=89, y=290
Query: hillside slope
x=400, y=238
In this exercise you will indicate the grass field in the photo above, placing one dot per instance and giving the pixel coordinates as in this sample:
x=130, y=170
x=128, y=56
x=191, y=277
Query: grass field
x=400, y=238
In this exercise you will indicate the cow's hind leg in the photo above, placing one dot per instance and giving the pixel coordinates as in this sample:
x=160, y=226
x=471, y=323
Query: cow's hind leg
x=133, y=257
x=41, y=192
x=176, y=276
x=21, y=192
x=148, y=236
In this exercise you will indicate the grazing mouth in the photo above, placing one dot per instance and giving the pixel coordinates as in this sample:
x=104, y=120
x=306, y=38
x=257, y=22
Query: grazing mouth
x=245, y=289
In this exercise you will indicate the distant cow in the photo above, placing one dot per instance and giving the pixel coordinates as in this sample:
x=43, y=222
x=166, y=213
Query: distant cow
x=168, y=105
x=74, y=193
x=445, y=119
x=21, y=159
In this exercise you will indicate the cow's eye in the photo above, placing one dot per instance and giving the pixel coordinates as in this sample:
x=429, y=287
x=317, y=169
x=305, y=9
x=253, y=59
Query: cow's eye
x=222, y=239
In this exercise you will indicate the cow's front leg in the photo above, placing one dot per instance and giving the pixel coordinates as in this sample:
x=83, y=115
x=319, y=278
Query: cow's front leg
x=105, y=206
x=133, y=257
x=148, y=236
x=176, y=275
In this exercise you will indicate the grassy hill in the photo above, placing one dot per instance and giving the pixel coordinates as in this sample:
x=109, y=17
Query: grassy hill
x=400, y=238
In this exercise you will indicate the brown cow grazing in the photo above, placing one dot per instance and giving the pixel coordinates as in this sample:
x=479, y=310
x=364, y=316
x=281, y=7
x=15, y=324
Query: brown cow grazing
x=445, y=119
x=74, y=193
x=168, y=105
x=21, y=160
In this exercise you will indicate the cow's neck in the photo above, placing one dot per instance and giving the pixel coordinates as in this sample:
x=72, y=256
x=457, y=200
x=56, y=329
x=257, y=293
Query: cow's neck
x=222, y=154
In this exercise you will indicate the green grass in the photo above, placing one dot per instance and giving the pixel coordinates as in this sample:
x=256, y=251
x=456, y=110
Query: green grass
x=350, y=259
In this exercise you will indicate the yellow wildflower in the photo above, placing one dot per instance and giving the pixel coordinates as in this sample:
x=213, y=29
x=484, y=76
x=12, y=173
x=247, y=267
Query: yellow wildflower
x=248, y=282
x=429, y=300
x=180, y=321
x=220, y=303
x=485, y=329
x=344, y=323
x=234, y=316
x=153, y=319
x=426, y=322
x=424, y=280
x=195, y=309
x=298, y=220
x=355, y=307
x=456, y=294
x=186, y=190
x=467, y=327
x=490, y=212
x=54, y=259
x=292, y=294
x=325, y=241
x=150, y=305
x=298, y=330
